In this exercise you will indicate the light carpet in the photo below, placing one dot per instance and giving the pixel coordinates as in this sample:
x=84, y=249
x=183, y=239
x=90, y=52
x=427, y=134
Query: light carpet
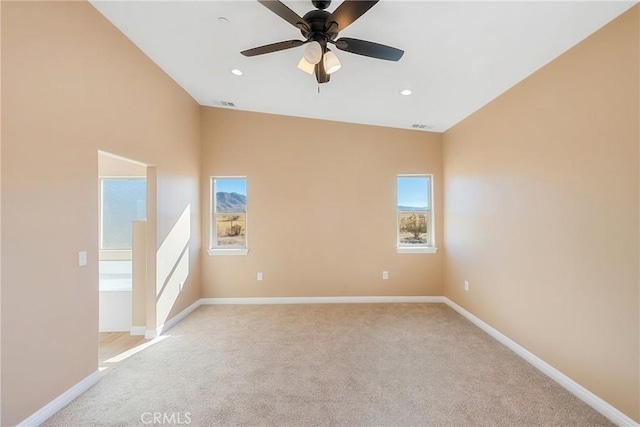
x=315, y=365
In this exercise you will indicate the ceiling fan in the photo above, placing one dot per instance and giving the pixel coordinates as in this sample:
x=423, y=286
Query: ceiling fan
x=319, y=29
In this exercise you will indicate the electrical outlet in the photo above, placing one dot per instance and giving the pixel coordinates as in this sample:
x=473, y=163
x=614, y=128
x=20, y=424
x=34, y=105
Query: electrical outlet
x=385, y=275
x=466, y=285
x=82, y=258
x=259, y=277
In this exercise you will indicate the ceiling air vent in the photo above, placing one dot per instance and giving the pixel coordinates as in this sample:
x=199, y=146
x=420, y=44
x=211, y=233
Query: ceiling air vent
x=421, y=126
x=225, y=104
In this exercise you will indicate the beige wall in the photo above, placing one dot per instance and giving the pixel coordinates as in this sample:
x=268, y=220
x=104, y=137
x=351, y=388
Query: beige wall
x=72, y=85
x=321, y=200
x=0, y=217
x=110, y=166
x=542, y=213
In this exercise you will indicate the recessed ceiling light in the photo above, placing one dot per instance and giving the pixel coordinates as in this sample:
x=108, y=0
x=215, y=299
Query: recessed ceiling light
x=405, y=92
x=236, y=72
x=223, y=20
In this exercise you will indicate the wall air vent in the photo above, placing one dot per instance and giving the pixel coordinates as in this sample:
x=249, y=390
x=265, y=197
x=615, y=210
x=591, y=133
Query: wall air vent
x=224, y=104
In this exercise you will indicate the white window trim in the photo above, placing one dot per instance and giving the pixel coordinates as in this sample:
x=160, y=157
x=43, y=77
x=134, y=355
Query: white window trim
x=417, y=250
x=115, y=254
x=224, y=250
x=430, y=247
x=229, y=251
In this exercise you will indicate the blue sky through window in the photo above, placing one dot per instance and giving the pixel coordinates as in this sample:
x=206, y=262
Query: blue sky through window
x=231, y=185
x=413, y=191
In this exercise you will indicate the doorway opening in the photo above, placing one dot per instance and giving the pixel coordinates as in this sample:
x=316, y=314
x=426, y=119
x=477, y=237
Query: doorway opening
x=123, y=214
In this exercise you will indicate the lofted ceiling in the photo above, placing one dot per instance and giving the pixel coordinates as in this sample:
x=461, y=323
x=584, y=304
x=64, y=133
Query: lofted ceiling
x=458, y=55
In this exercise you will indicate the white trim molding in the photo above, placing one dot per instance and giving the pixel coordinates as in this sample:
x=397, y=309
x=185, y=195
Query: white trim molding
x=115, y=254
x=606, y=409
x=151, y=334
x=138, y=330
x=60, y=402
x=322, y=300
x=416, y=250
x=614, y=415
x=235, y=251
x=178, y=317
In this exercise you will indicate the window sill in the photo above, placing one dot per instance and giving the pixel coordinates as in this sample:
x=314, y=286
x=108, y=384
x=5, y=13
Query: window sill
x=115, y=255
x=417, y=250
x=234, y=251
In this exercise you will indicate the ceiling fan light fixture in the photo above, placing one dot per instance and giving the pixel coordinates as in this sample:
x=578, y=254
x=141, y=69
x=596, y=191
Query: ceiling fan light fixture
x=320, y=27
x=331, y=62
x=313, y=53
x=305, y=66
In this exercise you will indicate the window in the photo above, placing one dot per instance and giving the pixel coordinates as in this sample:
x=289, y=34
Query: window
x=415, y=216
x=229, y=216
x=124, y=200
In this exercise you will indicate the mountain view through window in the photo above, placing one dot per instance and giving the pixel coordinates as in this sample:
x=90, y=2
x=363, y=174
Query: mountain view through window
x=230, y=212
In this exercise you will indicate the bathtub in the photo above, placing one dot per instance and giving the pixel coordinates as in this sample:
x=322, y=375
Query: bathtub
x=115, y=286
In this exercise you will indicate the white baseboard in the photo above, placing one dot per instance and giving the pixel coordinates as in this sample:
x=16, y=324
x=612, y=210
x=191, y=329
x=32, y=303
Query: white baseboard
x=614, y=415
x=151, y=334
x=178, y=317
x=610, y=412
x=138, y=330
x=61, y=401
x=321, y=300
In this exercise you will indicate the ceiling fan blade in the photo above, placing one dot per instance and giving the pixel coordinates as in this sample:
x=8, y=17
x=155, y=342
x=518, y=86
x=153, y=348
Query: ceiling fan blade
x=349, y=11
x=371, y=49
x=274, y=47
x=321, y=73
x=285, y=13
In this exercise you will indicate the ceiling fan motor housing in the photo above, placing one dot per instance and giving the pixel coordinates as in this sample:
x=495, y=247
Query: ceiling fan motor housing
x=321, y=4
x=318, y=31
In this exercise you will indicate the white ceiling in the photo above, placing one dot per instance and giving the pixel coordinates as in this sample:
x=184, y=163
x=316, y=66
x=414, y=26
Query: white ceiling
x=458, y=55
